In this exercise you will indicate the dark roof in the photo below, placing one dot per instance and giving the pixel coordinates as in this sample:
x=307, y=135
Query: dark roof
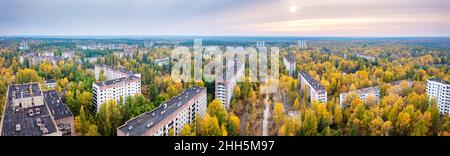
x=113, y=81
x=25, y=90
x=316, y=85
x=121, y=69
x=142, y=123
x=439, y=80
x=58, y=109
x=290, y=58
x=28, y=124
x=50, y=81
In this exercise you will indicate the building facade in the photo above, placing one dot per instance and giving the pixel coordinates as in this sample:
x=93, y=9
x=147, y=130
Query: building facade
x=289, y=63
x=119, y=83
x=311, y=87
x=224, y=88
x=440, y=91
x=370, y=91
x=171, y=115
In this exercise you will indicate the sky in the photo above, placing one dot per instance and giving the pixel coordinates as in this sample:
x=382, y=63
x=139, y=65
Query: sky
x=225, y=17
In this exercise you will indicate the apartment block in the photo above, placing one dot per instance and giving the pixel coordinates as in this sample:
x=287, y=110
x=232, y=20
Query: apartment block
x=119, y=83
x=366, y=92
x=440, y=90
x=311, y=87
x=170, y=115
x=289, y=63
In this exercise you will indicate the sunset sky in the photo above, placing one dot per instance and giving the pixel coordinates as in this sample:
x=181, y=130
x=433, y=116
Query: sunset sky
x=226, y=17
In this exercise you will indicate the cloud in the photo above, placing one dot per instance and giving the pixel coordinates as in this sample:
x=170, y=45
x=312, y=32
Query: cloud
x=225, y=17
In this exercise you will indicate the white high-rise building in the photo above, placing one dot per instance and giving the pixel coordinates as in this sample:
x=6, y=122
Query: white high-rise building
x=170, y=115
x=119, y=83
x=224, y=88
x=440, y=90
x=302, y=43
x=289, y=63
x=311, y=87
x=260, y=43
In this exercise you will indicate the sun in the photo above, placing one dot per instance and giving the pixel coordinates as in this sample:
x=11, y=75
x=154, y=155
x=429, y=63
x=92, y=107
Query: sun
x=293, y=8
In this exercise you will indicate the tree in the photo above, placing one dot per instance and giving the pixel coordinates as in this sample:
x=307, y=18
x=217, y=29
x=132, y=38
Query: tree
x=216, y=109
x=27, y=75
x=435, y=119
x=403, y=123
x=338, y=118
x=309, y=124
x=278, y=113
x=92, y=131
x=109, y=117
x=186, y=130
x=153, y=92
x=296, y=105
x=237, y=92
x=386, y=128
x=102, y=76
x=233, y=125
x=208, y=126
x=376, y=127
x=84, y=123
x=290, y=127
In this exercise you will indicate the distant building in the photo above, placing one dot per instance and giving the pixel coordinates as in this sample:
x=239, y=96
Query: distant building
x=172, y=114
x=302, y=43
x=68, y=54
x=440, y=90
x=311, y=87
x=224, y=88
x=289, y=63
x=119, y=83
x=197, y=43
x=366, y=92
x=148, y=43
x=260, y=44
x=162, y=61
x=24, y=45
x=50, y=84
x=30, y=112
x=367, y=57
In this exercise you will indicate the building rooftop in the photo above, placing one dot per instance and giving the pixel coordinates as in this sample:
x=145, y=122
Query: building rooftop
x=50, y=81
x=316, y=85
x=290, y=58
x=142, y=123
x=114, y=81
x=58, y=109
x=363, y=90
x=121, y=69
x=439, y=80
x=20, y=123
x=19, y=91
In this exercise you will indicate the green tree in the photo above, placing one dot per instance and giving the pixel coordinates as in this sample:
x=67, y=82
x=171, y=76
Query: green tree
x=233, y=125
x=309, y=124
x=216, y=109
x=109, y=117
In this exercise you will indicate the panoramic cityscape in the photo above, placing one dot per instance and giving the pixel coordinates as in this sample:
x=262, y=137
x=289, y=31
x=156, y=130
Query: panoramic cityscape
x=225, y=68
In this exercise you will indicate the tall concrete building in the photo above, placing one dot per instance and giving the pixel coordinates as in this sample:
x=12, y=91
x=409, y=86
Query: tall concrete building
x=170, y=115
x=289, y=63
x=224, y=88
x=440, y=91
x=119, y=83
x=311, y=87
